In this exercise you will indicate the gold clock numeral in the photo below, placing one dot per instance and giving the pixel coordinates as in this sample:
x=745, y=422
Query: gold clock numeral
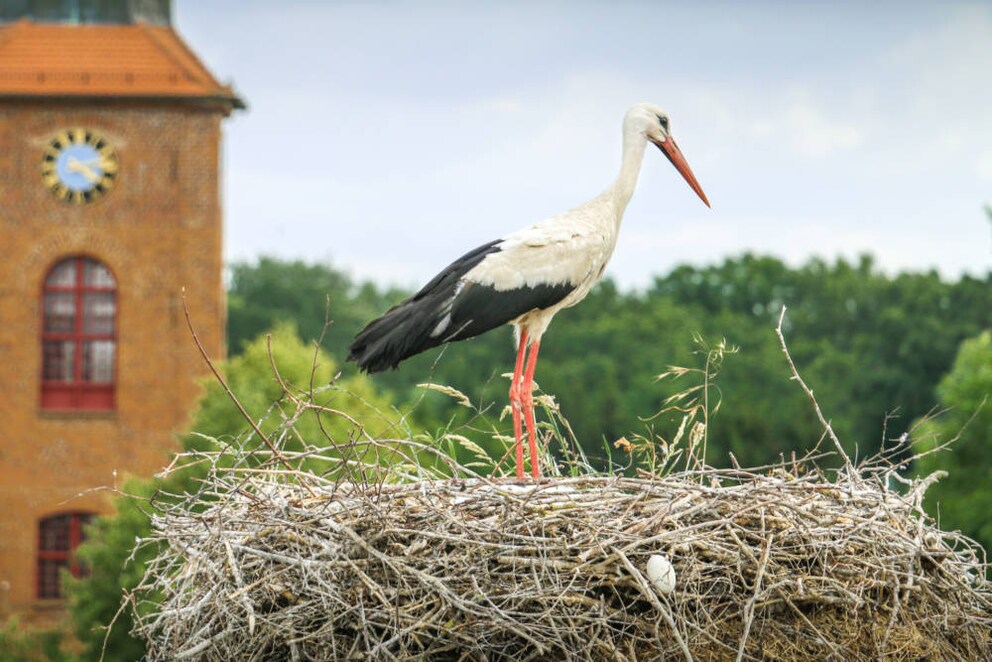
x=108, y=163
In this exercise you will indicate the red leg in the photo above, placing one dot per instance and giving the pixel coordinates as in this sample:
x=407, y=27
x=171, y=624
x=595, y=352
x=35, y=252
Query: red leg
x=515, y=393
x=527, y=394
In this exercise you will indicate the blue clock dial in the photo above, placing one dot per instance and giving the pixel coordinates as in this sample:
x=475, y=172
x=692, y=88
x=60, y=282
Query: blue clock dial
x=79, y=165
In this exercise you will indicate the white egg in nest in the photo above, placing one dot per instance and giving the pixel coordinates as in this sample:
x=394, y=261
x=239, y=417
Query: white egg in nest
x=661, y=573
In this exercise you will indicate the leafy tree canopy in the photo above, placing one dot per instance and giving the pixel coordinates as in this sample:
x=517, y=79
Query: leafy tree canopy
x=963, y=499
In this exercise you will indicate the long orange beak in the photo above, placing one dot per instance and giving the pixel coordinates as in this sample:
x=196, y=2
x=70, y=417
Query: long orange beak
x=674, y=154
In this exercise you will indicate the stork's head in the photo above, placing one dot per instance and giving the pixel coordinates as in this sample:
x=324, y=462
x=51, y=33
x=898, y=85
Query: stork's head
x=652, y=122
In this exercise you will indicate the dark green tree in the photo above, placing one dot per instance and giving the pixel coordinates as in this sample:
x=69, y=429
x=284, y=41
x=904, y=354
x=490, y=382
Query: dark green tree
x=19, y=644
x=963, y=500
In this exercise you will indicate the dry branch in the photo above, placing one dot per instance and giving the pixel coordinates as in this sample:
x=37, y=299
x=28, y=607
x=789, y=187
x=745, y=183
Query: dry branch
x=768, y=566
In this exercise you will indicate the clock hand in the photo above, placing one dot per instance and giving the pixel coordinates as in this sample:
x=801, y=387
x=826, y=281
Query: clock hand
x=77, y=166
x=103, y=163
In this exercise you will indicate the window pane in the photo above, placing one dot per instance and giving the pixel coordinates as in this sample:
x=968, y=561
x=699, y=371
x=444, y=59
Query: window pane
x=48, y=578
x=62, y=274
x=57, y=360
x=97, y=275
x=98, y=361
x=98, y=312
x=55, y=534
x=60, y=312
x=79, y=351
x=58, y=536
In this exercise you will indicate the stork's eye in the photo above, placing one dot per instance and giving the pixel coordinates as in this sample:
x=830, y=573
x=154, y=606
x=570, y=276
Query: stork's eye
x=663, y=121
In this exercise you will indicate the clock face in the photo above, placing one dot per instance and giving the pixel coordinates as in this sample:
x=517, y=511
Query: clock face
x=79, y=166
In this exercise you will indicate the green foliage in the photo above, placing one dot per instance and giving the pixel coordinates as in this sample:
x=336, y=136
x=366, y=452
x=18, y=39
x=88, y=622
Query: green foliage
x=20, y=645
x=96, y=600
x=264, y=293
x=869, y=344
x=963, y=499
x=303, y=369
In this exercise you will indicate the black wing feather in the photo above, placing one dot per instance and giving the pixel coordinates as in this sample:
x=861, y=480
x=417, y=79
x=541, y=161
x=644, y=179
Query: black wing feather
x=479, y=308
x=410, y=327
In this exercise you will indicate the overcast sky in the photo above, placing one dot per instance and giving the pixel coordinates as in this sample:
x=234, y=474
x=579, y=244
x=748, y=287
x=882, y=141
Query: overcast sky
x=388, y=138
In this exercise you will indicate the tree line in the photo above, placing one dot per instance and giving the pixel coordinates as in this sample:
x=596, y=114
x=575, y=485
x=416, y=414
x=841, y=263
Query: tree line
x=872, y=346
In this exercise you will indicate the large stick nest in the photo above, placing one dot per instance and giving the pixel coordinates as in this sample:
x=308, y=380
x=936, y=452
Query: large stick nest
x=775, y=565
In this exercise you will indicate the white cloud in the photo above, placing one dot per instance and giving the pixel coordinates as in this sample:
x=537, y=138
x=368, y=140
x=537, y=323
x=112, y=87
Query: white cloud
x=945, y=100
x=983, y=166
x=795, y=121
x=812, y=133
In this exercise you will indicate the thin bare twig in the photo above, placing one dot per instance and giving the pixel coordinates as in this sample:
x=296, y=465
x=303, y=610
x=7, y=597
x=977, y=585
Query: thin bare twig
x=809, y=392
x=227, y=389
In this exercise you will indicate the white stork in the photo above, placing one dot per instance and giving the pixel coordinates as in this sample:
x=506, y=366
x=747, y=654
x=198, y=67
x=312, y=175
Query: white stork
x=524, y=279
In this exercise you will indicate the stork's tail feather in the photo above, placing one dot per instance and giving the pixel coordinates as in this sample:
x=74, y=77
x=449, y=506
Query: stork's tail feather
x=421, y=322
x=405, y=330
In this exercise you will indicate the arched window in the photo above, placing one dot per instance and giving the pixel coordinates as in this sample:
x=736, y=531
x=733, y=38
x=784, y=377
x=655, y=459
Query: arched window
x=58, y=537
x=79, y=344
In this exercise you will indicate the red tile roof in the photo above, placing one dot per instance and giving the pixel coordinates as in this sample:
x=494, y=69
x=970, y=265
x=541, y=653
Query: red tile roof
x=129, y=61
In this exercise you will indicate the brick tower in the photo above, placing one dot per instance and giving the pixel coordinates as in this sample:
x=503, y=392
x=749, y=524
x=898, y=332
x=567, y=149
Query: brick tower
x=110, y=131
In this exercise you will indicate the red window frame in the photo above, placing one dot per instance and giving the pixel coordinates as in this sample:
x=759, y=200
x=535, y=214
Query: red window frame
x=58, y=537
x=79, y=337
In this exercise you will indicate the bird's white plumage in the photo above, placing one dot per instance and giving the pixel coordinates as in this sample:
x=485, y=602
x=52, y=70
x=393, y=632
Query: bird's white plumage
x=573, y=247
x=570, y=248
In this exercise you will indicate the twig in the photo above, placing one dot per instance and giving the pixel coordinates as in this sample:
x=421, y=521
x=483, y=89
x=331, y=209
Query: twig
x=227, y=389
x=809, y=392
x=749, y=607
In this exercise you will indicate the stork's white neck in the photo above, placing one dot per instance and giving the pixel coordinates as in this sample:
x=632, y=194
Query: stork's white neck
x=634, y=143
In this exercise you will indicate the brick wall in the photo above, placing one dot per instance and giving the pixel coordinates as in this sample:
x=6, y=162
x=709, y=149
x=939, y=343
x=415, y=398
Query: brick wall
x=159, y=230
